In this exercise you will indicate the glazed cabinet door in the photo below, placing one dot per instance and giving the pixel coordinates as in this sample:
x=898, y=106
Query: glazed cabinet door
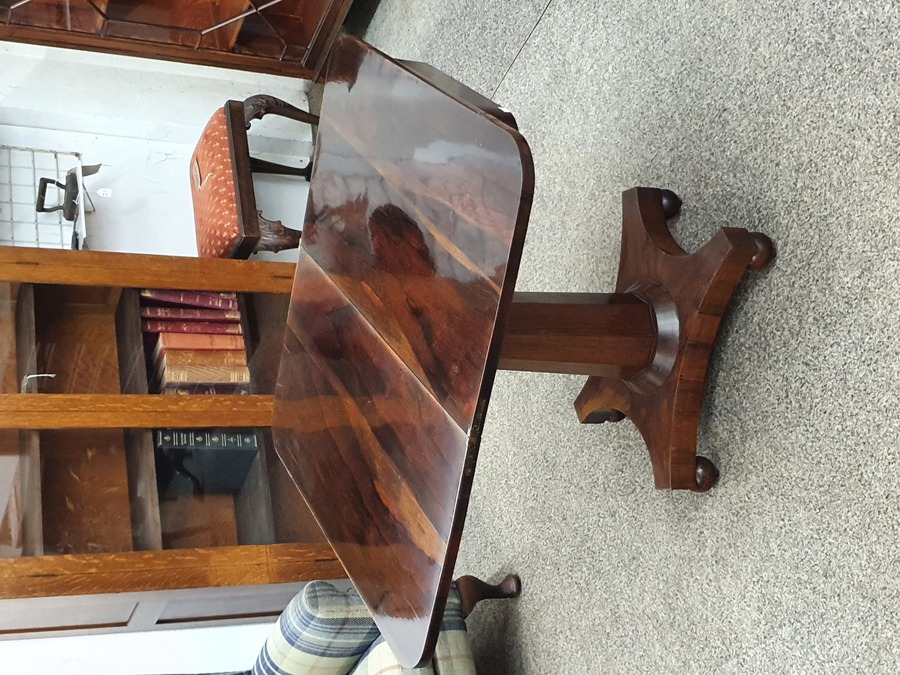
x=90, y=499
x=287, y=37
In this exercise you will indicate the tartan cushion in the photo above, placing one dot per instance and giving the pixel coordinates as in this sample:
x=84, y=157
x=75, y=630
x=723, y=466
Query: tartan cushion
x=380, y=660
x=452, y=655
x=322, y=631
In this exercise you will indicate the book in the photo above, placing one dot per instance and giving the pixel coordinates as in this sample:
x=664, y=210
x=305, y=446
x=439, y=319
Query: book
x=192, y=374
x=177, y=359
x=201, y=461
x=193, y=357
x=196, y=342
x=205, y=439
x=190, y=314
x=185, y=389
x=204, y=299
x=204, y=327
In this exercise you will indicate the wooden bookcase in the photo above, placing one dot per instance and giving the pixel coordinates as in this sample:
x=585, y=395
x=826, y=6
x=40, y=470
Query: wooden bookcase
x=80, y=442
x=289, y=37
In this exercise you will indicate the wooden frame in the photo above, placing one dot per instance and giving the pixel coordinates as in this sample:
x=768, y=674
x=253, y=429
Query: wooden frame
x=92, y=281
x=309, y=67
x=82, y=574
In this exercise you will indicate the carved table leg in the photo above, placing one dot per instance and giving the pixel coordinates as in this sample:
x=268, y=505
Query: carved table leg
x=689, y=295
x=473, y=590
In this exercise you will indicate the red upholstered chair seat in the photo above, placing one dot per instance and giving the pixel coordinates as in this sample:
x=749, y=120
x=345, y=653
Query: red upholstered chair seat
x=227, y=221
x=214, y=192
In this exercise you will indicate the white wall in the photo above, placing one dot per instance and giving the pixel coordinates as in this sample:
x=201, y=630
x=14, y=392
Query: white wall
x=141, y=119
x=196, y=650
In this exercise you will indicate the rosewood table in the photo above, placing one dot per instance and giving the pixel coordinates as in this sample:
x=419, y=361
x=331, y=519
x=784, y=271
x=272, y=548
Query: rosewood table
x=403, y=307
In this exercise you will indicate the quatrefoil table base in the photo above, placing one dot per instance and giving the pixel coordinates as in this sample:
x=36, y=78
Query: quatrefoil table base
x=689, y=294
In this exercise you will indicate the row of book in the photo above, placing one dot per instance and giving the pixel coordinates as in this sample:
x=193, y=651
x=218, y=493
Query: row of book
x=194, y=342
x=195, y=345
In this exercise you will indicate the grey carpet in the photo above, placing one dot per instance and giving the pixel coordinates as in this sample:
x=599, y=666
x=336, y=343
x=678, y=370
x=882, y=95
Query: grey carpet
x=781, y=117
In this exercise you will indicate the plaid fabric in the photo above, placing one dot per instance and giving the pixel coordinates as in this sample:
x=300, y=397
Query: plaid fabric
x=321, y=632
x=452, y=655
x=380, y=660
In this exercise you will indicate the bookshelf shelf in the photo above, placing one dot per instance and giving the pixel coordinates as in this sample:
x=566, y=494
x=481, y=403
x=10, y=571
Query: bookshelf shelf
x=143, y=411
x=86, y=483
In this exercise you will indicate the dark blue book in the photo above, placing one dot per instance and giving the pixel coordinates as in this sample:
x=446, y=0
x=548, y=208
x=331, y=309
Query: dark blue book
x=200, y=461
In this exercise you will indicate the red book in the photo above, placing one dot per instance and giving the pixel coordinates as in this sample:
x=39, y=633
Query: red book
x=205, y=327
x=207, y=299
x=198, y=342
x=190, y=314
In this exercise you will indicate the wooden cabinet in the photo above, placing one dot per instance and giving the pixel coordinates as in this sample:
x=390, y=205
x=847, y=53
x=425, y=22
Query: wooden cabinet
x=285, y=37
x=79, y=510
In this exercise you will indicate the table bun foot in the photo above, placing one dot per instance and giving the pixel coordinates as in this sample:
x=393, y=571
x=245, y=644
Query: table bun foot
x=707, y=474
x=765, y=251
x=671, y=203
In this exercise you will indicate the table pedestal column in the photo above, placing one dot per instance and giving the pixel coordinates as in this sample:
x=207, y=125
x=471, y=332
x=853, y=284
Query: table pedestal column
x=646, y=348
x=599, y=334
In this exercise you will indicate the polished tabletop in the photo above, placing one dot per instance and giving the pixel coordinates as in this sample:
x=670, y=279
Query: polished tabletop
x=418, y=205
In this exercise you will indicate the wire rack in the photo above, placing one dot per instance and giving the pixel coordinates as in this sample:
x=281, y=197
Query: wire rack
x=20, y=171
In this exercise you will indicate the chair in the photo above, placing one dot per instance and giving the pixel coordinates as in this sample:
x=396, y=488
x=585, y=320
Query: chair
x=327, y=632
x=227, y=221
